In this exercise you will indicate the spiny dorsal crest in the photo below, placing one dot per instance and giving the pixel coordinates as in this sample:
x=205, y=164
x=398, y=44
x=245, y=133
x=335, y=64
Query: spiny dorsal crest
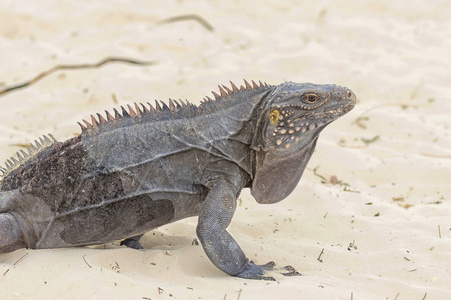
x=32, y=149
x=160, y=111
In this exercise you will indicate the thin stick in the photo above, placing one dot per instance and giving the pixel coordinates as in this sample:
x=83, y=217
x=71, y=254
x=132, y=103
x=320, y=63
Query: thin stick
x=435, y=155
x=397, y=295
x=196, y=18
x=425, y=294
x=319, y=257
x=20, y=259
x=319, y=175
x=439, y=233
x=239, y=294
x=72, y=67
x=86, y=261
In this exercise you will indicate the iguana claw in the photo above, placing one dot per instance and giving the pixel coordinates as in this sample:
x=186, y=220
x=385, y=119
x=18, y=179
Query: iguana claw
x=291, y=271
x=253, y=271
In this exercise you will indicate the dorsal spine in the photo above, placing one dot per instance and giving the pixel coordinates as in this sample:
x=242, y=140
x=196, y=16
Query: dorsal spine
x=32, y=149
x=160, y=110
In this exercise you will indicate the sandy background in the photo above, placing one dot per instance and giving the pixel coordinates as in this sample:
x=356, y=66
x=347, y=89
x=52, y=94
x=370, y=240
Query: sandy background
x=379, y=231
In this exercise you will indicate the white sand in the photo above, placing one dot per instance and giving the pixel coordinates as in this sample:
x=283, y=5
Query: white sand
x=395, y=57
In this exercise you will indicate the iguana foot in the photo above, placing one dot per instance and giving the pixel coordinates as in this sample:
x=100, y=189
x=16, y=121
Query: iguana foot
x=133, y=242
x=253, y=271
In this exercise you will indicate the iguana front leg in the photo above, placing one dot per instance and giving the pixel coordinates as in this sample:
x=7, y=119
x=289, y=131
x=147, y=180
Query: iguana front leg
x=215, y=216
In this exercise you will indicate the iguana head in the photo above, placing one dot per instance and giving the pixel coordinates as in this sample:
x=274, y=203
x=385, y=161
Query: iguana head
x=287, y=132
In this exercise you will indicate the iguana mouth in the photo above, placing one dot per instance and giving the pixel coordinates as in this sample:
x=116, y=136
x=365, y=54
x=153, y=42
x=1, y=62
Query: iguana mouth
x=329, y=113
x=339, y=109
x=310, y=121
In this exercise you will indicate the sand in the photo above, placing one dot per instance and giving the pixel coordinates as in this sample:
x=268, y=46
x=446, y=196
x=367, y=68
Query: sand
x=382, y=224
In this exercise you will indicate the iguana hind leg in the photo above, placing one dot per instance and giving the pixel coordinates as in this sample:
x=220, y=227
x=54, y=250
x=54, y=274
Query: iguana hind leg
x=133, y=242
x=10, y=233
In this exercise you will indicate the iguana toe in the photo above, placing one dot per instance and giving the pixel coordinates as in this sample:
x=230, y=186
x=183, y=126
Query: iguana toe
x=291, y=271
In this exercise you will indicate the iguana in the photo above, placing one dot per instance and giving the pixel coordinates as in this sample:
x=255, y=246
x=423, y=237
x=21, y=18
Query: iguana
x=152, y=165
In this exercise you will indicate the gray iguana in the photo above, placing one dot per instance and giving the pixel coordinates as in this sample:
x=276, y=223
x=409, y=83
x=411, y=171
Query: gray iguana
x=152, y=165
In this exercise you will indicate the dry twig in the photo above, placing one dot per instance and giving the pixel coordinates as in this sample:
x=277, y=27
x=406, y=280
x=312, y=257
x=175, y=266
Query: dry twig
x=239, y=294
x=17, y=261
x=319, y=257
x=435, y=155
x=196, y=18
x=86, y=262
x=72, y=67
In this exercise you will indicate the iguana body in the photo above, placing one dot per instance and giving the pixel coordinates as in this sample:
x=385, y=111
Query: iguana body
x=150, y=166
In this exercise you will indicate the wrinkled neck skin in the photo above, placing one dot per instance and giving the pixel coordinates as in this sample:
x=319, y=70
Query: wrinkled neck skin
x=277, y=174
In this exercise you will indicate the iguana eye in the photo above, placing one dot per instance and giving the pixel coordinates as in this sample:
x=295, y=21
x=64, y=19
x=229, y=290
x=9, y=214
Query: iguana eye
x=311, y=98
x=274, y=116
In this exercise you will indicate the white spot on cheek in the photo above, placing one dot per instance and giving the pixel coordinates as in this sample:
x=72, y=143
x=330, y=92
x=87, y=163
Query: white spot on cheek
x=280, y=118
x=297, y=128
x=278, y=142
x=283, y=131
x=304, y=129
x=311, y=126
x=291, y=131
x=287, y=145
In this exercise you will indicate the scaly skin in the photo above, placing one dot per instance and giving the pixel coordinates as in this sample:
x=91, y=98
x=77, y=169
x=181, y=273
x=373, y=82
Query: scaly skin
x=150, y=166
